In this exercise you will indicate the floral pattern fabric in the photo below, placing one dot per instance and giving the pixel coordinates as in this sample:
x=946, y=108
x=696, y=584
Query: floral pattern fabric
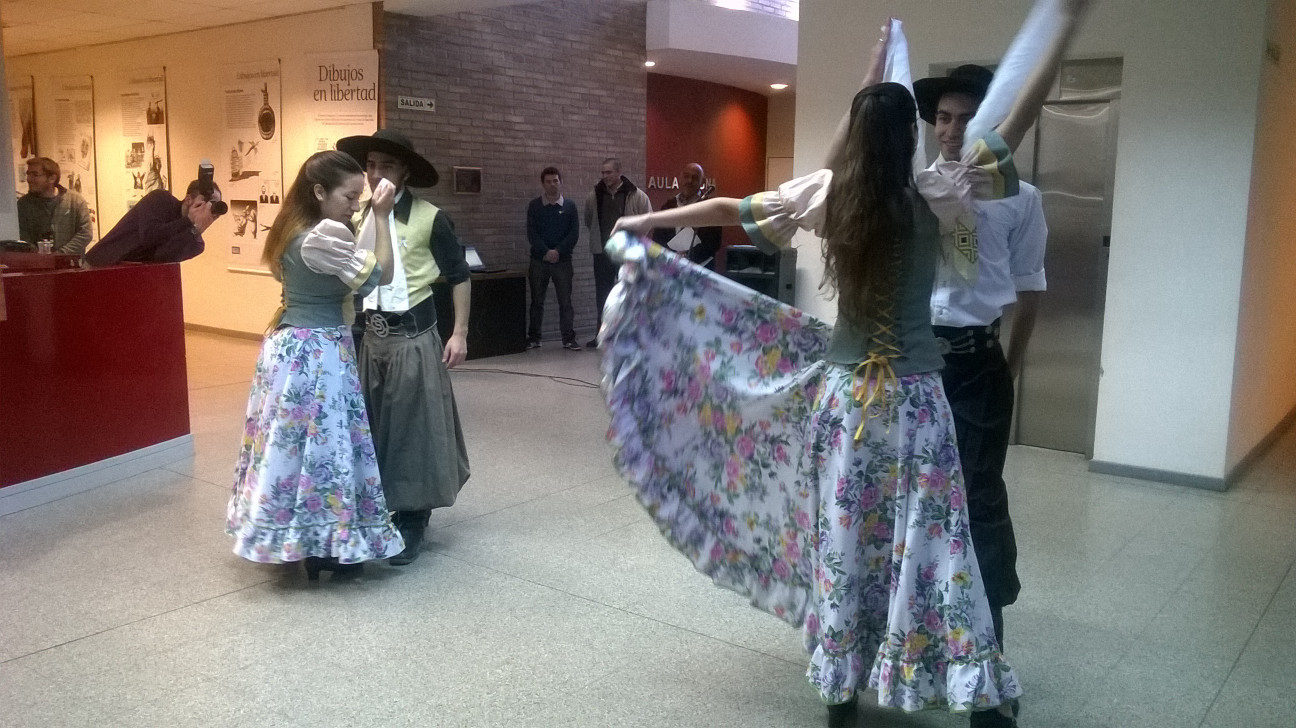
x=740, y=442
x=307, y=482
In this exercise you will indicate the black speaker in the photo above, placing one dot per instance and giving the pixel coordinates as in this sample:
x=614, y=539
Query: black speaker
x=774, y=275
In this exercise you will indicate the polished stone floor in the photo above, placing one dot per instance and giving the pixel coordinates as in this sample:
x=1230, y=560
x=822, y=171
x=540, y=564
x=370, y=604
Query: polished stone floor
x=547, y=598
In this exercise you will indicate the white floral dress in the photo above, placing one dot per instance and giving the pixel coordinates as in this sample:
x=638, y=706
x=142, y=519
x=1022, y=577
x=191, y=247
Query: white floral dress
x=740, y=440
x=306, y=482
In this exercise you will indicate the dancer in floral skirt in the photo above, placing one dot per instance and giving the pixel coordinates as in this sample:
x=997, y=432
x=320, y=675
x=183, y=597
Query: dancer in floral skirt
x=814, y=470
x=307, y=486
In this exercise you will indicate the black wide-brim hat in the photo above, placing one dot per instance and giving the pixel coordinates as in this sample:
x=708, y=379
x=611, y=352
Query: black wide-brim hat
x=969, y=79
x=390, y=141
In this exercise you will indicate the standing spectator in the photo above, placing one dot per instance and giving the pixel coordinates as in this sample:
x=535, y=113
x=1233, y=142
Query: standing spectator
x=611, y=198
x=705, y=241
x=50, y=211
x=552, y=231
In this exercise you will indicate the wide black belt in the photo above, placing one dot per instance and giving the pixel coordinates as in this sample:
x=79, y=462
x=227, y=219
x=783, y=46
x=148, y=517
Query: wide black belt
x=409, y=323
x=966, y=339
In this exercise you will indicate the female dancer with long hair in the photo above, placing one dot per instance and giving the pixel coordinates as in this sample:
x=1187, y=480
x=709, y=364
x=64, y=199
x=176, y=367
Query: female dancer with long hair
x=307, y=485
x=817, y=472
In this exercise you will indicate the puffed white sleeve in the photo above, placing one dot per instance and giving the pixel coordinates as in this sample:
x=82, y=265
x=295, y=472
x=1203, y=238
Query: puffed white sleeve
x=330, y=249
x=772, y=218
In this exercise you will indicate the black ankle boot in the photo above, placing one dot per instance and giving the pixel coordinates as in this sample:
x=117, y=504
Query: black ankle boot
x=413, y=537
x=843, y=715
x=315, y=564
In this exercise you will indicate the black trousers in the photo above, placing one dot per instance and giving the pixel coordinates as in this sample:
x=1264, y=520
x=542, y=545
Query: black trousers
x=605, y=276
x=980, y=392
x=539, y=276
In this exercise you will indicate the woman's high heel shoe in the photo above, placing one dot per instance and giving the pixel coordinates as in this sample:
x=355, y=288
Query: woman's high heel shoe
x=315, y=564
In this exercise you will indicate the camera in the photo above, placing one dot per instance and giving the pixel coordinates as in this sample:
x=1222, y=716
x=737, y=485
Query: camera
x=207, y=186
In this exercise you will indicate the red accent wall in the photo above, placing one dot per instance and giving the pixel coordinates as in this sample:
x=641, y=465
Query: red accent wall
x=720, y=127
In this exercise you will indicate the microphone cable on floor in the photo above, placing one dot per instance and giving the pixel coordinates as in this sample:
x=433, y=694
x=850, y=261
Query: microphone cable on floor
x=568, y=381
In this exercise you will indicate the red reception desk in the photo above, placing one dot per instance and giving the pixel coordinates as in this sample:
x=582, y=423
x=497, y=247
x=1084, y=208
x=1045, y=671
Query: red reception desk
x=92, y=363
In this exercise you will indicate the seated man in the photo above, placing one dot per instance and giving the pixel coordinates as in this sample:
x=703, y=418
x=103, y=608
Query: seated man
x=159, y=229
x=50, y=211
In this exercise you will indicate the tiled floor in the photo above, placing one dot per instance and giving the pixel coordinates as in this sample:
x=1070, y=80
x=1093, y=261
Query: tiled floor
x=547, y=598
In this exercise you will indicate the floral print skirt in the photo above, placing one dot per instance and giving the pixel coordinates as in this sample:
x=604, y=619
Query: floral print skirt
x=307, y=483
x=746, y=449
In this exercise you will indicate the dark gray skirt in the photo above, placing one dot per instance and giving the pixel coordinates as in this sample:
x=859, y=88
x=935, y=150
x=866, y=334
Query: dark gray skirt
x=420, y=444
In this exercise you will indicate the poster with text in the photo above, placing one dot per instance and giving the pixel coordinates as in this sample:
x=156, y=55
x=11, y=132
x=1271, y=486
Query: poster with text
x=74, y=140
x=144, y=146
x=22, y=126
x=336, y=96
x=249, y=168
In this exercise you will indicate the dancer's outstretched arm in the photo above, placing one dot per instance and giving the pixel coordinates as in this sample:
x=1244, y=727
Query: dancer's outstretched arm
x=1030, y=99
x=707, y=213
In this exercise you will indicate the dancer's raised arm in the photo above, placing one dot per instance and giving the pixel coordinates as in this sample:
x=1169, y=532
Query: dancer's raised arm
x=1030, y=99
x=877, y=66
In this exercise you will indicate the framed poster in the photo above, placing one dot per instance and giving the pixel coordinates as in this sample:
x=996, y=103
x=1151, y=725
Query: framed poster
x=145, y=145
x=467, y=180
x=74, y=140
x=22, y=127
x=249, y=163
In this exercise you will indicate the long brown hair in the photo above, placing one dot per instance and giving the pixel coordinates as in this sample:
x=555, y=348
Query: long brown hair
x=300, y=209
x=870, y=202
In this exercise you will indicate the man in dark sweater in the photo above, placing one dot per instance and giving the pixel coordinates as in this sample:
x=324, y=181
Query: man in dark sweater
x=158, y=229
x=552, y=230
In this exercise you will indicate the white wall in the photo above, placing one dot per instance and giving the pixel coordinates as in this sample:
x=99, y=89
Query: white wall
x=213, y=296
x=1187, y=130
x=1264, y=390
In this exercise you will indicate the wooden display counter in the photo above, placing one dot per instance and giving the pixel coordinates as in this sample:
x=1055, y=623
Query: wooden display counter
x=92, y=365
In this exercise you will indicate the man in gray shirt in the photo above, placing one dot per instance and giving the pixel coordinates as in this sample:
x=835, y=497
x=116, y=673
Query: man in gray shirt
x=49, y=211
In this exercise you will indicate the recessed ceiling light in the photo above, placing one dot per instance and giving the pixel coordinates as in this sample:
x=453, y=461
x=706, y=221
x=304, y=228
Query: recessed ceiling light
x=778, y=86
x=650, y=64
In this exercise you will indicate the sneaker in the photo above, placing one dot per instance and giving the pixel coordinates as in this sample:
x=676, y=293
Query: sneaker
x=571, y=345
x=533, y=345
x=591, y=344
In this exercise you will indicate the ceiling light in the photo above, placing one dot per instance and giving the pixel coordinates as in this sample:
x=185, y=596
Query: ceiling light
x=650, y=64
x=778, y=86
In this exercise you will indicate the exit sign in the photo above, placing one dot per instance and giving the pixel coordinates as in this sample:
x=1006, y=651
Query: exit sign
x=415, y=103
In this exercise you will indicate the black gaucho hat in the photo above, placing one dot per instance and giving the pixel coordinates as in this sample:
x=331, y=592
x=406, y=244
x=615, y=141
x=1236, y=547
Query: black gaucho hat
x=390, y=141
x=969, y=79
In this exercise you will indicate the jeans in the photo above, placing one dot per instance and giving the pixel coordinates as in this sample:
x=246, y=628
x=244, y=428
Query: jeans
x=539, y=276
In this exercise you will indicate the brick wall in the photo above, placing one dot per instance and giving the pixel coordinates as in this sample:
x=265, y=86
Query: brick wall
x=517, y=89
x=790, y=9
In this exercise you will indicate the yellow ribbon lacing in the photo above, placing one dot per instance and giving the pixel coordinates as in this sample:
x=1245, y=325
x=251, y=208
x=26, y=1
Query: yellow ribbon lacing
x=873, y=375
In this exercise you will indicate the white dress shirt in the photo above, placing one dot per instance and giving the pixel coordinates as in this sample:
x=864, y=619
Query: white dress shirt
x=1011, y=235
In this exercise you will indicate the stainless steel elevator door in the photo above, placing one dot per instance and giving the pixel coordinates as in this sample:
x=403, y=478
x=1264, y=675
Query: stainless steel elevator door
x=1075, y=169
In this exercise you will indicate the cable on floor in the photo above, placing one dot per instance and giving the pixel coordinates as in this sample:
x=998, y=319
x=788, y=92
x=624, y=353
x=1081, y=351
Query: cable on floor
x=569, y=381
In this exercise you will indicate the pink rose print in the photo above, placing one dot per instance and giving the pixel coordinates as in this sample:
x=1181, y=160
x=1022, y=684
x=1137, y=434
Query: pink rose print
x=766, y=333
x=746, y=446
